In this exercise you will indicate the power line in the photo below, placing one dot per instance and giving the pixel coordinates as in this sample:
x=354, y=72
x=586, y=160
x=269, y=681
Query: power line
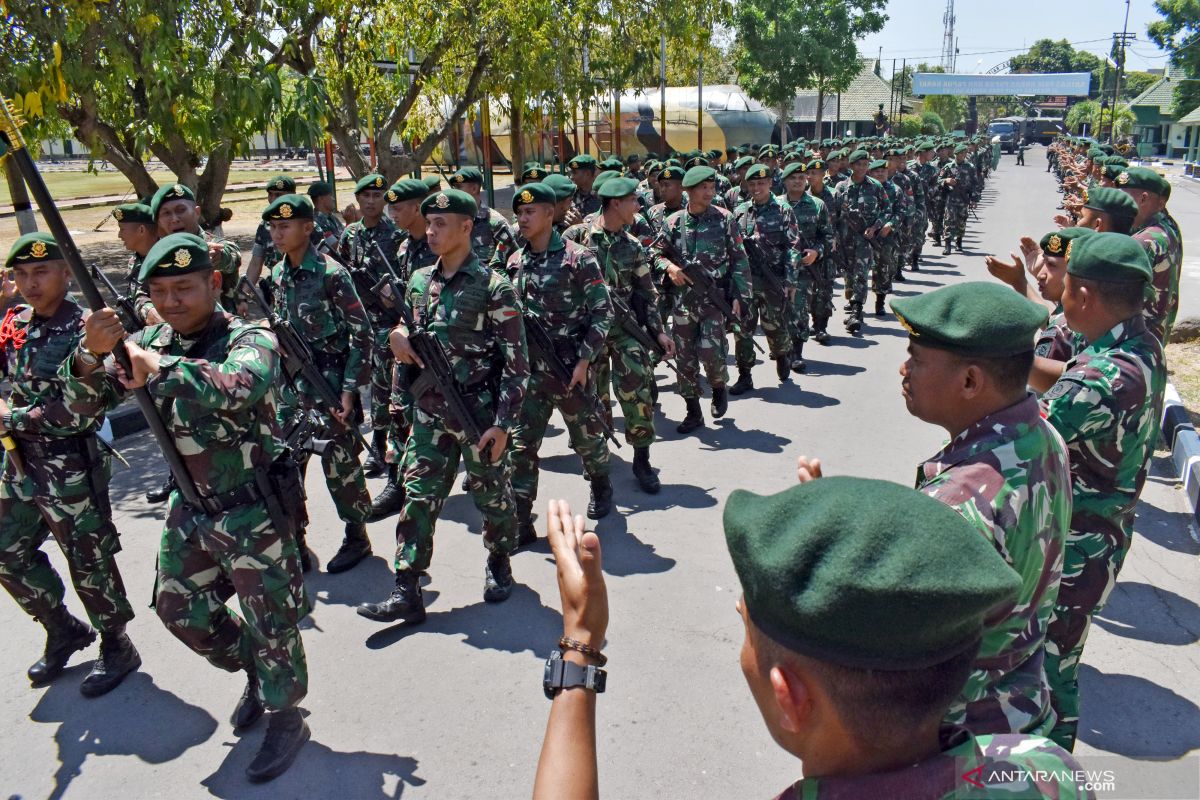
x=907, y=53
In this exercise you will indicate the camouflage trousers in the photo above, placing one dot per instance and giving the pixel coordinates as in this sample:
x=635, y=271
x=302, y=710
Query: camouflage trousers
x=343, y=470
x=203, y=561
x=81, y=524
x=381, y=380
x=919, y=231
x=400, y=411
x=1091, y=563
x=860, y=261
x=774, y=311
x=430, y=464
x=587, y=439
x=821, y=292
x=800, y=306
x=937, y=213
x=956, y=218
x=883, y=266
x=699, y=339
x=629, y=370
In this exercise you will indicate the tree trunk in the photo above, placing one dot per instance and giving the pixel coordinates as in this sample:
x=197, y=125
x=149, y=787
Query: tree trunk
x=26, y=219
x=210, y=186
x=516, y=122
x=820, y=109
x=783, y=124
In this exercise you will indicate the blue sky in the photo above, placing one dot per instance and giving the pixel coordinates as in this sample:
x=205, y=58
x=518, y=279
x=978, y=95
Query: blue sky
x=983, y=27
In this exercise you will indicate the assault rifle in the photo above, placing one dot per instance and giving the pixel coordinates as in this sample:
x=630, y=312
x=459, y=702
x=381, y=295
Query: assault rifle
x=625, y=317
x=122, y=303
x=705, y=286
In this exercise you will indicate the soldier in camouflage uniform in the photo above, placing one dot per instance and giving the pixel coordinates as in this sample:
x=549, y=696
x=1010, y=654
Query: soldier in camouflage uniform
x=814, y=277
x=473, y=314
x=828, y=264
x=710, y=239
x=625, y=265
x=1107, y=406
x=175, y=211
x=317, y=297
x=739, y=192
x=264, y=253
x=360, y=252
x=62, y=488
x=560, y=284
x=772, y=243
x=492, y=237
x=327, y=228
x=886, y=244
x=1005, y=470
x=958, y=179
x=910, y=202
x=860, y=202
x=1159, y=236
x=583, y=169
x=212, y=376
x=137, y=231
x=937, y=195
x=924, y=175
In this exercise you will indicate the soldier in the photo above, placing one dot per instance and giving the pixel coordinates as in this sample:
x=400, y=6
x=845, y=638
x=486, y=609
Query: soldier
x=911, y=200
x=957, y=178
x=319, y=300
x=327, y=228
x=560, y=284
x=626, y=270
x=137, y=231
x=885, y=244
x=213, y=376
x=473, y=314
x=814, y=277
x=55, y=479
x=937, y=197
x=360, y=251
x=263, y=252
x=772, y=242
x=583, y=174
x=1107, y=406
x=739, y=192
x=491, y=237
x=710, y=239
x=1160, y=237
x=565, y=212
x=860, y=202
x=925, y=173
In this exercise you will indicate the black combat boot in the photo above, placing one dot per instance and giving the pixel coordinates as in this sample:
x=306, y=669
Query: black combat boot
x=118, y=658
x=647, y=480
x=946, y=249
x=249, y=709
x=497, y=578
x=160, y=493
x=653, y=392
x=821, y=334
x=916, y=261
x=526, y=534
x=600, y=502
x=798, y=364
x=743, y=384
x=405, y=602
x=375, y=465
x=391, y=499
x=355, y=547
x=720, y=401
x=854, y=322
x=286, y=734
x=958, y=244
x=694, y=418
x=64, y=636
x=879, y=307
x=783, y=368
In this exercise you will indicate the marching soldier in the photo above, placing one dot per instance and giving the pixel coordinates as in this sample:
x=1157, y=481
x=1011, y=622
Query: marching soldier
x=885, y=244
x=137, y=231
x=813, y=278
x=957, y=179
x=264, y=252
x=327, y=228
x=583, y=174
x=491, y=237
x=861, y=205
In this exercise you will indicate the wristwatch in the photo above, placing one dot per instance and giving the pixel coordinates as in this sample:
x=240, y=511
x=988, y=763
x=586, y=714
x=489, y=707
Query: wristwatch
x=87, y=357
x=568, y=675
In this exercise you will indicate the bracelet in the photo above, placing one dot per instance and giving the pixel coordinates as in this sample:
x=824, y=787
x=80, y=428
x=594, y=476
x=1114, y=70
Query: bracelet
x=566, y=643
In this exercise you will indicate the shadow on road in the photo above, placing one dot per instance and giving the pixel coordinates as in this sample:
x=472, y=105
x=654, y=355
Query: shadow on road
x=819, y=369
x=724, y=434
x=1151, y=614
x=624, y=553
x=1131, y=716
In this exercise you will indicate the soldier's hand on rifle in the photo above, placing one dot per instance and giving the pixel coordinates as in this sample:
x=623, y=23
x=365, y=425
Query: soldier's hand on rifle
x=579, y=375
x=102, y=331
x=144, y=364
x=808, y=469
x=346, y=412
x=492, y=444
x=808, y=257
x=667, y=344
x=402, y=348
x=677, y=275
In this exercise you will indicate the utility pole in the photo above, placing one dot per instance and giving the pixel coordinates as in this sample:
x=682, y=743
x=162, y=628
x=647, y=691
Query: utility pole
x=1119, y=41
x=949, y=45
x=662, y=93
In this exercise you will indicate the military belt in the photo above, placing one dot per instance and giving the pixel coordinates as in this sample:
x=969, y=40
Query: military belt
x=328, y=362
x=56, y=446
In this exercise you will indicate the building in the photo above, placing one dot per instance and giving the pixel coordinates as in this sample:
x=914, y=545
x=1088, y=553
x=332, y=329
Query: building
x=853, y=111
x=1158, y=132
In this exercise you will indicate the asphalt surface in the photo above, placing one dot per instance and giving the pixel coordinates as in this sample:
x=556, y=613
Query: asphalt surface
x=454, y=707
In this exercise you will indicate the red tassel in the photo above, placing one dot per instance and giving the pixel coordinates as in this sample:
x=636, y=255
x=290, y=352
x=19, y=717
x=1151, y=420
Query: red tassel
x=9, y=331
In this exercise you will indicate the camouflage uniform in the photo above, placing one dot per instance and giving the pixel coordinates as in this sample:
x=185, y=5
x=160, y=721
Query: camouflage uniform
x=713, y=242
x=958, y=197
x=413, y=254
x=937, y=199
x=813, y=295
x=920, y=213
x=229, y=265
x=491, y=237
x=327, y=230
x=657, y=217
x=215, y=394
x=860, y=207
x=264, y=247
x=134, y=289
x=1164, y=246
x=1007, y=474
x=1107, y=406
x=586, y=203
x=65, y=489
x=475, y=317
x=1057, y=341
x=772, y=242
x=564, y=288
x=887, y=248
x=319, y=300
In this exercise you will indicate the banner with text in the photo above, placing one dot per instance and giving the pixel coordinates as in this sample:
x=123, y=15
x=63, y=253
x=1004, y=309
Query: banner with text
x=1072, y=84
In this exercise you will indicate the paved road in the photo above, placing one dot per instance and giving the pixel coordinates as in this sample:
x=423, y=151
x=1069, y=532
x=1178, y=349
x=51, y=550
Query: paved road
x=453, y=709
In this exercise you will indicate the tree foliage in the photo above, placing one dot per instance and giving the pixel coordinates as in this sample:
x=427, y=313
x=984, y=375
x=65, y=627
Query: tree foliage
x=951, y=108
x=1048, y=55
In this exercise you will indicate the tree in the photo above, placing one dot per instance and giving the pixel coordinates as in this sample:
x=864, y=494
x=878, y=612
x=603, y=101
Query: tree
x=1047, y=55
x=786, y=46
x=951, y=108
x=1137, y=82
x=1082, y=113
x=931, y=123
x=1178, y=32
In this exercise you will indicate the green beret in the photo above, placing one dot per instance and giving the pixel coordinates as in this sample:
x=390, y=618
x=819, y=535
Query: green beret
x=1094, y=153
x=925, y=147
x=618, y=187
x=406, y=189
x=865, y=573
x=633, y=157
x=1112, y=171
x=960, y=148
x=653, y=166
x=612, y=163
x=133, y=212
x=695, y=161
x=176, y=191
x=730, y=152
x=792, y=169
x=450, y=201
x=533, y=174
x=602, y=177
x=466, y=175
x=743, y=162
x=33, y=248
x=1108, y=257
x=816, y=163
x=1111, y=201
x=1116, y=161
x=859, y=155
x=582, y=161
x=281, y=183
x=714, y=153
x=432, y=183
x=177, y=254
x=1144, y=179
x=697, y=175
x=757, y=171
x=1055, y=243
x=319, y=189
x=975, y=318
x=289, y=206
x=369, y=182
x=671, y=173
x=672, y=162
x=534, y=193
x=878, y=163
x=563, y=186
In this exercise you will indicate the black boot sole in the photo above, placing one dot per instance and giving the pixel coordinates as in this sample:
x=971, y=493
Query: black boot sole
x=369, y=610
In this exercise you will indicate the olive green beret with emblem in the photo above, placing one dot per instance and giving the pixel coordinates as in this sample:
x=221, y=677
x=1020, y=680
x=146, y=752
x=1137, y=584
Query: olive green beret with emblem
x=1111, y=201
x=319, y=189
x=175, y=191
x=466, y=175
x=1144, y=179
x=618, y=187
x=671, y=174
x=974, y=318
x=563, y=186
x=582, y=161
x=281, y=183
x=865, y=573
x=289, y=206
x=374, y=181
x=878, y=163
x=432, y=183
x=612, y=163
x=177, y=254
x=816, y=163
x=136, y=213
x=859, y=155
x=406, y=189
x=743, y=162
x=757, y=171
x=533, y=173
x=960, y=148
x=696, y=161
x=534, y=193
x=1055, y=243
x=33, y=248
x=602, y=177
x=794, y=168
x=697, y=175
x=450, y=201
x=1108, y=257
x=925, y=147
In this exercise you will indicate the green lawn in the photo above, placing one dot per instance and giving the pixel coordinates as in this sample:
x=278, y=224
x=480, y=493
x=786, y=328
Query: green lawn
x=68, y=185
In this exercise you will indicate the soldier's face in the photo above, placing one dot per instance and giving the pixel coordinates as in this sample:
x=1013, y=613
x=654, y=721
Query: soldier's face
x=624, y=208
x=1049, y=275
x=582, y=178
x=447, y=233
x=273, y=195
x=534, y=219
x=185, y=302
x=42, y=285
x=879, y=174
x=136, y=236
x=562, y=208
x=404, y=213
x=702, y=193
x=859, y=169
x=670, y=191
x=816, y=178
x=927, y=380
x=178, y=216
x=370, y=202
x=1091, y=218
x=324, y=204
x=473, y=189
x=759, y=188
x=290, y=235
x=795, y=183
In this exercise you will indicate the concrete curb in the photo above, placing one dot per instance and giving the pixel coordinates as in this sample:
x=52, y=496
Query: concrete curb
x=1181, y=437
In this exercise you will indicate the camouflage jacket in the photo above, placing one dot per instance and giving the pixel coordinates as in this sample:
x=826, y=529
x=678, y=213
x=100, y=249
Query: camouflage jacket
x=491, y=236
x=1057, y=341
x=1107, y=406
x=657, y=216
x=564, y=288
x=735, y=196
x=625, y=265
x=812, y=219
x=962, y=174
x=357, y=251
x=586, y=203
x=771, y=238
x=1009, y=765
x=134, y=290
x=892, y=210
x=229, y=264
x=327, y=229
x=860, y=205
x=712, y=241
x=1007, y=474
x=264, y=247
x=927, y=175
x=475, y=316
x=916, y=185
x=1163, y=245
x=318, y=298
x=412, y=255
x=904, y=206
